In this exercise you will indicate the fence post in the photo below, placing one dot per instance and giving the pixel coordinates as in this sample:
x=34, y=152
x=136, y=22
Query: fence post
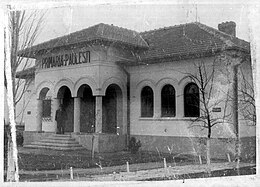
x=200, y=159
x=165, y=166
x=164, y=163
x=228, y=156
x=71, y=173
x=127, y=167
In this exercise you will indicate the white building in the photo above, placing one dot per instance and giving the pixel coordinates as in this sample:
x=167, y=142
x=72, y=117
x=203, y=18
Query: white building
x=118, y=83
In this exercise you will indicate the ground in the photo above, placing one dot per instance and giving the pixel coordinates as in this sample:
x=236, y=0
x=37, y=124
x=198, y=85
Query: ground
x=44, y=165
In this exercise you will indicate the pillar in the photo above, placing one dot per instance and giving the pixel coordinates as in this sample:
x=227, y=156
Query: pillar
x=157, y=105
x=179, y=104
x=56, y=103
x=39, y=115
x=98, y=125
x=76, y=114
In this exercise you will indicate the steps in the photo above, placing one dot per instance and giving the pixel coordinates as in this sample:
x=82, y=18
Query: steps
x=56, y=142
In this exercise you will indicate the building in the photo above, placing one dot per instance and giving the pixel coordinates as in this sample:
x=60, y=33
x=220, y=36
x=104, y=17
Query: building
x=117, y=83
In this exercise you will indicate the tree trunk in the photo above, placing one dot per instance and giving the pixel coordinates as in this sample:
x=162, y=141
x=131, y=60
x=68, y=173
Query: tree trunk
x=11, y=175
x=208, y=151
x=238, y=153
x=208, y=155
x=10, y=161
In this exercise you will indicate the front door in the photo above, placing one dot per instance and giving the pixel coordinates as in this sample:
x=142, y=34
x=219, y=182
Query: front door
x=110, y=111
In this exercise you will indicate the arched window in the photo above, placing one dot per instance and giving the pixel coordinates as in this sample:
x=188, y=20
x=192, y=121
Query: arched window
x=46, y=107
x=46, y=103
x=191, y=100
x=147, y=102
x=168, y=101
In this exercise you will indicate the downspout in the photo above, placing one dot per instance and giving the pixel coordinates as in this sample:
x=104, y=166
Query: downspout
x=128, y=111
x=235, y=111
x=235, y=99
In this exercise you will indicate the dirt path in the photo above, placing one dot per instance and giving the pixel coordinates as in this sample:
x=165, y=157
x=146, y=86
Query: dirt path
x=161, y=172
x=137, y=172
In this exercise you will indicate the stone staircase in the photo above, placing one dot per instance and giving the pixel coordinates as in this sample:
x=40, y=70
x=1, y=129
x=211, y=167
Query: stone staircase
x=56, y=142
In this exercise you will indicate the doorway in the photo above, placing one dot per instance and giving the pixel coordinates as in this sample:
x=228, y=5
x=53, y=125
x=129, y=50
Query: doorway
x=64, y=94
x=112, y=109
x=87, y=109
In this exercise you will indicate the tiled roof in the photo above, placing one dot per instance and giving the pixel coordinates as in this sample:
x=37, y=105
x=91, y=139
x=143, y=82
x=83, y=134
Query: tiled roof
x=187, y=40
x=100, y=31
x=175, y=42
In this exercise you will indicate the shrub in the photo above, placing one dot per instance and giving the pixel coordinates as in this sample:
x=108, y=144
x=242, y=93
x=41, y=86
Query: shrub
x=134, y=145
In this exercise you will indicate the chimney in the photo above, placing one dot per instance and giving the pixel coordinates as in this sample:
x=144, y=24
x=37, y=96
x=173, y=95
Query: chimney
x=228, y=27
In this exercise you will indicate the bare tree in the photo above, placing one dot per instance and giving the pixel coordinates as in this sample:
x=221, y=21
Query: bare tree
x=24, y=29
x=204, y=77
x=247, y=99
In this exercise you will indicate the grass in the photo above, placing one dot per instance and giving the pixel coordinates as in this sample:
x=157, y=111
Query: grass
x=57, y=160
x=37, y=160
x=44, y=159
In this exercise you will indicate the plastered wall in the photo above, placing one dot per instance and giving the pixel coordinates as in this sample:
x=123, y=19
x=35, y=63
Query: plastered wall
x=175, y=73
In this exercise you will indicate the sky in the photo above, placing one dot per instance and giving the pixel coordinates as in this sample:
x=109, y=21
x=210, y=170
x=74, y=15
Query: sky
x=64, y=20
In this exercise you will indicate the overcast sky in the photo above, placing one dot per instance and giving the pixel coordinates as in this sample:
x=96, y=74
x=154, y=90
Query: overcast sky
x=63, y=20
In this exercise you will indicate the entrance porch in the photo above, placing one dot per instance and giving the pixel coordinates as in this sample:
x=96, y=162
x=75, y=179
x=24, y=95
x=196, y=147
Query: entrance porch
x=93, y=120
x=71, y=141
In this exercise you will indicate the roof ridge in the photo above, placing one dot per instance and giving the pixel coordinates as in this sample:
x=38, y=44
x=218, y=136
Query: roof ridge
x=112, y=25
x=166, y=28
x=129, y=30
x=99, y=30
x=78, y=31
x=215, y=32
x=67, y=35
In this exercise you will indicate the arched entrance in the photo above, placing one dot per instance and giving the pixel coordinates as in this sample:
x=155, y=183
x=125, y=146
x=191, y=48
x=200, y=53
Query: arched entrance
x=112, y=109
x=87, y=109
x=64, y=95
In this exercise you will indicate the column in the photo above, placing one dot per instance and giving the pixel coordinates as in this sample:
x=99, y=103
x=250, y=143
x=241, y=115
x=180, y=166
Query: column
x=98, y=125
x=39, y=115
x=56, y=103
x=157, y=104
x=76, y=114
x=179, y=107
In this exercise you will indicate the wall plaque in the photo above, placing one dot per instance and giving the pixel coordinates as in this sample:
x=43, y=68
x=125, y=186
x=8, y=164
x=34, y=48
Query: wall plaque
x=66, y=59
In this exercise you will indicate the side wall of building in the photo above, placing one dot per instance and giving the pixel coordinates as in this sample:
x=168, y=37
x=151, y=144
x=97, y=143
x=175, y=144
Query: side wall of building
x=179, y=134
x=247, y=110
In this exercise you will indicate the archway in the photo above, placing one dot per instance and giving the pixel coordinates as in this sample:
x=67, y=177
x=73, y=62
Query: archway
x=64, y=95
x=87, y=109
x=112, y=109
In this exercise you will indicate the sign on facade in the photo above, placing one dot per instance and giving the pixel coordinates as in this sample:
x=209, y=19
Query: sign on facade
x=66, y=59
x=217, y=109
